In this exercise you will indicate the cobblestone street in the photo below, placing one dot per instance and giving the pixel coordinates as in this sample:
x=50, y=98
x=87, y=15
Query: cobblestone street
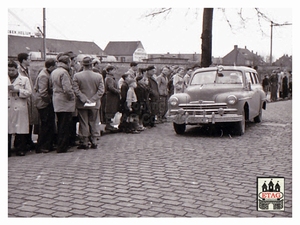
x=158, y=174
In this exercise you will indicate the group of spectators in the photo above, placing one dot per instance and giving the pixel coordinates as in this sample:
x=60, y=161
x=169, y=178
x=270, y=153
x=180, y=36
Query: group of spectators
x=278, y=84
x=67, y=93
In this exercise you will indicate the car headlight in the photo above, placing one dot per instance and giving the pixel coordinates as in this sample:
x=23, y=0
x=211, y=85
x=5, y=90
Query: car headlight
x=231, y=99
x=173, y=101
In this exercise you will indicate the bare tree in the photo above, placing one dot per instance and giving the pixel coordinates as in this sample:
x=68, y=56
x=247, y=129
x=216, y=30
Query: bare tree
x=206, y=46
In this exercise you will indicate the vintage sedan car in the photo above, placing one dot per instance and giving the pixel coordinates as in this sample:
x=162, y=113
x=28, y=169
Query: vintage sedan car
x=229, y=95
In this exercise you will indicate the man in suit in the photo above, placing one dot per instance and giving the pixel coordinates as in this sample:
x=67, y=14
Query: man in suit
x=89, y=88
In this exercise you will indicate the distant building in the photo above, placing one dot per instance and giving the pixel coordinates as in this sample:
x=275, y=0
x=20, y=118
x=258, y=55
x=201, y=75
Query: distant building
x=126, y=51
x=170, y=58
x=242, y=57
x=284, y=61
x=34, y=46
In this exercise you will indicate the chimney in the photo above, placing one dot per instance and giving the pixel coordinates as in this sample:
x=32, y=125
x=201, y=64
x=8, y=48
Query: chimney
x=235, y=46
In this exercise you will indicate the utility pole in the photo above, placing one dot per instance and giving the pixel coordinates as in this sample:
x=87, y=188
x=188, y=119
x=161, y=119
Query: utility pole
x=271, y=42
x=43, y=33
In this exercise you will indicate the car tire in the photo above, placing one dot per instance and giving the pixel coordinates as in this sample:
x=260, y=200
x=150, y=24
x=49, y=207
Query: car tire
x=241, y=125
x=179, y=128
x=258, y=118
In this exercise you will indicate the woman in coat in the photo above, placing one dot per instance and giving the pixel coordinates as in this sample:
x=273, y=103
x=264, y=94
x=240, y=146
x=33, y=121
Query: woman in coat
x=19, y=90
x=112, y=98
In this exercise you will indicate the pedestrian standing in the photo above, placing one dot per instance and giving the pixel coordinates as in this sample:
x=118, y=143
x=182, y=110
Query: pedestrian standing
x=19, y=90
x=187, y=77
x=63, y=102
x=178, y=81
x=124, y=125
x=132, y=72
x=162, y=82
x=88, y=88
x=153, y=95
x=285, y=87
x=266, y=84
x=112, y=98
x=72, y=70
x=274, y=85
x=142, y=95
x=132, y=105
x=24, y=63
x=44, y=104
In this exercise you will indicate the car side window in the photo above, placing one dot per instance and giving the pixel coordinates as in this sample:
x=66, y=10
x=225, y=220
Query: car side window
x=249, y=77
x=254, y=78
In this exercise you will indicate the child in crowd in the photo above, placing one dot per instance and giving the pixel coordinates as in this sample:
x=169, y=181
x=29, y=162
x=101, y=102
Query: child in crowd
x=132, y=104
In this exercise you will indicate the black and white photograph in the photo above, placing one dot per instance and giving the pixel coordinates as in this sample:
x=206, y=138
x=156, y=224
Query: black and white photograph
x=132, y=112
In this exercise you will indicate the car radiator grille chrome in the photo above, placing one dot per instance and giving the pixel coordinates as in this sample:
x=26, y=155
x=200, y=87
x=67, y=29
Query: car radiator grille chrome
x=206, y=109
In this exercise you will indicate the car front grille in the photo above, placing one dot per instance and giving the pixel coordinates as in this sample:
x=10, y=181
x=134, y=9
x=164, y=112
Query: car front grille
x=206, y=108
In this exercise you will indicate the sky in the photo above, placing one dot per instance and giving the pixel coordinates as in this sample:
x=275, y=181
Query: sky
x=176, y=32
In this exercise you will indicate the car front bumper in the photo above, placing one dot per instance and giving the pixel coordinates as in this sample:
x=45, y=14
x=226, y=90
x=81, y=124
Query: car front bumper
x=204, y=119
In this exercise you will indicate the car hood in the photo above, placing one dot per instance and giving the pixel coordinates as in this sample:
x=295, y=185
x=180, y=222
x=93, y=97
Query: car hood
x=208, y=92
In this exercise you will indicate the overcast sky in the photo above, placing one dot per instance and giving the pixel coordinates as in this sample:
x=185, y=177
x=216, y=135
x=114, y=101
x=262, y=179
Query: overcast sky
x=176, y=32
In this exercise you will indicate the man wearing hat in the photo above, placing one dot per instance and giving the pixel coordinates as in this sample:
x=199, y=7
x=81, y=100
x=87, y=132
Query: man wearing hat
x=89, y=88
x=63, y=101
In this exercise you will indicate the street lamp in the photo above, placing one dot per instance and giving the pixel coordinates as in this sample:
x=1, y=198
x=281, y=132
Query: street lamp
x=272, y=25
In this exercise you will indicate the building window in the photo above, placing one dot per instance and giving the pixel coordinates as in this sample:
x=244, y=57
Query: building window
x=122, y=59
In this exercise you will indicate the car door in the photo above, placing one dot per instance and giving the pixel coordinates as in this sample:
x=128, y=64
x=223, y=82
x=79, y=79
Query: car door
x=256, y=101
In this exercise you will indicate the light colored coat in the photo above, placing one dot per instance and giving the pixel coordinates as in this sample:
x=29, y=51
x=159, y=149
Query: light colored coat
x=63, y=93
x=18, y=118
x=88, y=85
x=33, y=112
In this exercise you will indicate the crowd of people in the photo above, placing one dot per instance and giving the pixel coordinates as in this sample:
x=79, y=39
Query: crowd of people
x=67, y=93
x=278, y=85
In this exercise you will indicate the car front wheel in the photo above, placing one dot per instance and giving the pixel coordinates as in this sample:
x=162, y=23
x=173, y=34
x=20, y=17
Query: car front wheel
x=179, y=128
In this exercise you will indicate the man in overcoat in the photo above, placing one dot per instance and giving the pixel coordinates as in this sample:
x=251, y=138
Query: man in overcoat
x=153, y=95
x=23, y=69
x=19, y=90
x=44, y=104
x=88, y=88
x=63, y=102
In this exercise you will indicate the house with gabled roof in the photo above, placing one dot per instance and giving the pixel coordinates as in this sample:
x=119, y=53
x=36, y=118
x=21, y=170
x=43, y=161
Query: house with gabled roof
x=126, y=51
x=242, y=57
x=34, y=46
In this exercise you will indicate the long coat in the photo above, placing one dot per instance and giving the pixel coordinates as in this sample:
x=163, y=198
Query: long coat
x=153, y=95
x=43, y=95
x=18, y=119
x=112, y=96
x=88, y=85
x=32, y=110
x=63, y=93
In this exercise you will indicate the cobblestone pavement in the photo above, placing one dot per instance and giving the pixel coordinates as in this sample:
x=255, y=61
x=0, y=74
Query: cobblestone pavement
x=158, y=174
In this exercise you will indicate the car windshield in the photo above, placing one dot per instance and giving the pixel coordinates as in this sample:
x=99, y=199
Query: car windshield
x=212, y=77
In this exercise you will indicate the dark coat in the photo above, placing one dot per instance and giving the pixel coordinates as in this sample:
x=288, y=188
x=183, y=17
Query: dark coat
x=112, y=96
x=153, y=95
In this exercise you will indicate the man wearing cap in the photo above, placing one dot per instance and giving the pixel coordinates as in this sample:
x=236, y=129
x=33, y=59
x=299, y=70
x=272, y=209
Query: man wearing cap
x=89, y=88
x=162, y=82
x=63, y=101
x=153, y=95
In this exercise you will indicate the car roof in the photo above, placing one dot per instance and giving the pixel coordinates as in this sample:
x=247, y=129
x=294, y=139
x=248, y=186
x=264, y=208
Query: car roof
x=226, y=68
